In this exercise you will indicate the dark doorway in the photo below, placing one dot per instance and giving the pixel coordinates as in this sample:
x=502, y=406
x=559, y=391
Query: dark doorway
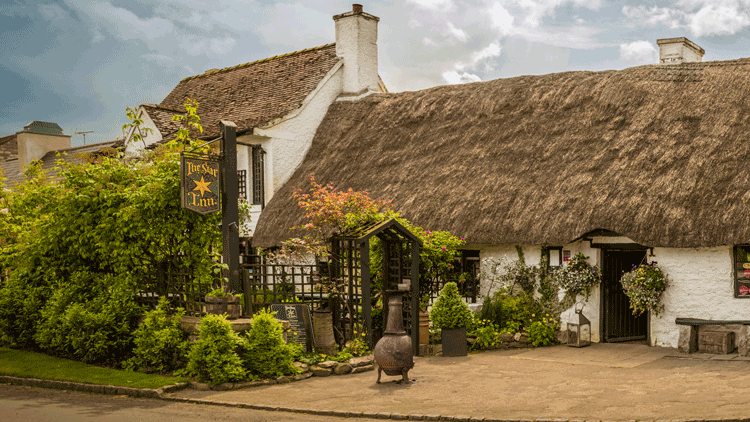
x=618, y=321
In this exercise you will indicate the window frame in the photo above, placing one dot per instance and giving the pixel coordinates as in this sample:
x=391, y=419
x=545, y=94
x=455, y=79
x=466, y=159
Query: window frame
x=741, y=269
x=559, y=250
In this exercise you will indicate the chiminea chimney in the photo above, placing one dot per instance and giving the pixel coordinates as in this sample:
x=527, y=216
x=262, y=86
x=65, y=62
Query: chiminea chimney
x=679, y=50
x=356, y=42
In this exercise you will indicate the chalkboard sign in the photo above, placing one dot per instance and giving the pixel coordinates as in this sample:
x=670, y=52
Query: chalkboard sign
x=298, y=315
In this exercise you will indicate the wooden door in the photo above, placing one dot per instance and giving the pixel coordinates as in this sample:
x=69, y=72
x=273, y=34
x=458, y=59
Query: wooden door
x=618, y=321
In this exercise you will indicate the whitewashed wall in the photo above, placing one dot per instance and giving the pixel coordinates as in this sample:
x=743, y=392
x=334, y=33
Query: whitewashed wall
x=532, y=255
x=701, y=285
x=287, y=140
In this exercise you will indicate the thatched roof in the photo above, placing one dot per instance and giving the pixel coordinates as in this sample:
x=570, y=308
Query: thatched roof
x=657, y=153
x=253, y=94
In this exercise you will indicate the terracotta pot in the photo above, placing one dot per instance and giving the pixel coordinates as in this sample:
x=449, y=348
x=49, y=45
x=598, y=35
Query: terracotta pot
x=229, y=305
x=424, y=327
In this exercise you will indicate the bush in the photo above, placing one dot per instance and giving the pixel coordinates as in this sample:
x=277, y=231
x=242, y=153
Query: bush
x=160, y=344
x=449, y=310
x=214, y=357
x=541, y=333
x=266, y=353
x=492, y=311
x=90, y=318
x=487, y=335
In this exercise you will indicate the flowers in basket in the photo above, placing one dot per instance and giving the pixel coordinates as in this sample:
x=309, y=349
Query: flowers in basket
x=644, y=286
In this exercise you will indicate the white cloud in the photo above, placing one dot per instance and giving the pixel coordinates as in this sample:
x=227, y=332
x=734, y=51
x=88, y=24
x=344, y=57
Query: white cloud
x=638, y=52
x=222, y=46
x=535, y=10
x=654, y=15
x=481, y=57
x=439, y=5
x=501, y=19
x=700, y=17
x=580, y=37
x=717, y=20
x=429, y=42
x=453, y=77
x=457, y=33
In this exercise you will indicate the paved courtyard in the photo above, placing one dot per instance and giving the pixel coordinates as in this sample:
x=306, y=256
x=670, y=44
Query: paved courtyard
x=616, y=382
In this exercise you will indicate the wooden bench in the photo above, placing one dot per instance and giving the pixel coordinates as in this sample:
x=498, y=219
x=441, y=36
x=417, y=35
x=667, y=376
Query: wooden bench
x=688, y=341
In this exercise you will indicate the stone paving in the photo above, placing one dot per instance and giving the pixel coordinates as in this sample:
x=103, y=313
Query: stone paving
x=605, y=382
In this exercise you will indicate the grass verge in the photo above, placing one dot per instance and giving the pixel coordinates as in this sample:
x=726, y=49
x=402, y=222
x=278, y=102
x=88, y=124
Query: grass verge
x=20, y=363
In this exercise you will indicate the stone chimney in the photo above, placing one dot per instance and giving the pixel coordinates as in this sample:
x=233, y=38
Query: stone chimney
x=37, y=139
x=356, y=42
x=679, y=50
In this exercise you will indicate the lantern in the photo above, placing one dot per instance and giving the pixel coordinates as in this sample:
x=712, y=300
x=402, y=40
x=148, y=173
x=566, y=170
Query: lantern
x=579, y=329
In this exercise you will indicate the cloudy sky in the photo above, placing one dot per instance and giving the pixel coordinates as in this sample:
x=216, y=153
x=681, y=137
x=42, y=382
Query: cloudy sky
x=79, y=63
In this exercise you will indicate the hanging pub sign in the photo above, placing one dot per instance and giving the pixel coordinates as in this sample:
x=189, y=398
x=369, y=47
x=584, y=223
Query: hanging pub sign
x=200, y=184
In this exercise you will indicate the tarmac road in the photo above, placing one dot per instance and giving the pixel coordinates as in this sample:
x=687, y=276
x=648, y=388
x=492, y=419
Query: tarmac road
x=21, y=404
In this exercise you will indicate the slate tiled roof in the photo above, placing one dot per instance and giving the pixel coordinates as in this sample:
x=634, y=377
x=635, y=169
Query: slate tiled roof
x=162, y=118
x=49, y=161
x=8, y=148
x=255, y=93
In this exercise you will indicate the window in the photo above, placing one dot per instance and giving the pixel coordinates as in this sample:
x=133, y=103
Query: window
x=257, y=169
x=554, y=257
x=742, y=271
x=242, y=183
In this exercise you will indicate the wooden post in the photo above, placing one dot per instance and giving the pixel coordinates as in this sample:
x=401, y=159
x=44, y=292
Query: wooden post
x=415, y=297
x=229, y=211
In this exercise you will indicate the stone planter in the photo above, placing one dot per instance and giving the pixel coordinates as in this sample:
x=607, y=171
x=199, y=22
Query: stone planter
x=424, y=327
x=229, y=305
x=454, y=342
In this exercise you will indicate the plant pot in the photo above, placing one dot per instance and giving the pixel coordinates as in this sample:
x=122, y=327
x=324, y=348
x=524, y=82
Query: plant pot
x=229, y=305
x=454, y=341
x=424, y=327
x=323, y=329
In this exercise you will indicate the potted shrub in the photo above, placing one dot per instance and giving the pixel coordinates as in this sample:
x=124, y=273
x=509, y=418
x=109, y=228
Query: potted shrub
x=452, y=315
x=219, y=302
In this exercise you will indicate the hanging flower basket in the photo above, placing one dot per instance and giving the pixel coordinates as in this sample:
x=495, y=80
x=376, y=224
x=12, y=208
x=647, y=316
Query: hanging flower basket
x=644, y=285
x=578, y=277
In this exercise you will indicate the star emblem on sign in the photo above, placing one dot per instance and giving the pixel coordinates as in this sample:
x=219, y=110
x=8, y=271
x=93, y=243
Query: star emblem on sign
x=202, y=186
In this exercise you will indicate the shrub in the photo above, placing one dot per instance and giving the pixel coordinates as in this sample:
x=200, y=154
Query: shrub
x=449, y=310
x=513, y=313
x=90, y=318
x=487, y=335
x=492, y=310
x=266, y=353
x=541, y=333
x=160, y=344
x=214, y=357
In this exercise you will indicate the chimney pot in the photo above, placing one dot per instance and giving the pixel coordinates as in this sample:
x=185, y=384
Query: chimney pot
x=357, y=8
x=679, y=50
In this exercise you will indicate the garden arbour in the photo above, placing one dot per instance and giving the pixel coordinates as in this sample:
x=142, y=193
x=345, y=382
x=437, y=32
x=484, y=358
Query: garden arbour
x=349, y=283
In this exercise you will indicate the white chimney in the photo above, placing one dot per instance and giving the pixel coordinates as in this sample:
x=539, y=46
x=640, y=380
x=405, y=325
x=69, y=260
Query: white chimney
x=356, y=42
x=37, y=139
x=679, y=50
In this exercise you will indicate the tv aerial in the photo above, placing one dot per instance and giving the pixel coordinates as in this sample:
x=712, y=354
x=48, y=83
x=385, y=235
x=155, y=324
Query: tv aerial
x=84, y=135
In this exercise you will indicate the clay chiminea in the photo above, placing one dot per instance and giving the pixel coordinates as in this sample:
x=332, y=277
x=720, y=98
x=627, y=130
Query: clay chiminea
x=394, y=353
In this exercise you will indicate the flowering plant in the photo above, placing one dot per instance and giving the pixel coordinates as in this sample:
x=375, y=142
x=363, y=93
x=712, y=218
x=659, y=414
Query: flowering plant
x=644, y=286
x=578, y=276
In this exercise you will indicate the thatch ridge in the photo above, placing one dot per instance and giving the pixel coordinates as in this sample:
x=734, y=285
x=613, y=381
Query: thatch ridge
x=657, y=153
